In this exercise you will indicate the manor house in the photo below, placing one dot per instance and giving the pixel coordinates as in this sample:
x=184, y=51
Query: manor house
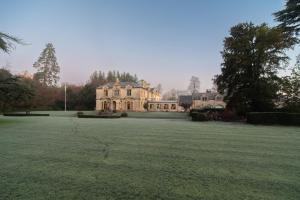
x=129, y=96
x=125, y=96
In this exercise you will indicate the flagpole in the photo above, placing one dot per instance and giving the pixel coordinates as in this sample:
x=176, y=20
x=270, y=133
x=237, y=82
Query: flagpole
x=65, y=97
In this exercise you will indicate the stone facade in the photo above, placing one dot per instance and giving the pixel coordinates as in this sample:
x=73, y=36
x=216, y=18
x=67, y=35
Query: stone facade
x=203, y=100
x=208, y=100
x=164, y=106
x=125, y=96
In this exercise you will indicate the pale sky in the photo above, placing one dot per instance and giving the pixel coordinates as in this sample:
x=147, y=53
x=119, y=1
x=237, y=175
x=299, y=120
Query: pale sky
x=162, y=41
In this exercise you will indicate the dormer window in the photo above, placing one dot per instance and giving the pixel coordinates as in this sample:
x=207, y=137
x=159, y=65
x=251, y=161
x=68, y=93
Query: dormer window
x=117, y=92
x=129, y=92
x=106, y=93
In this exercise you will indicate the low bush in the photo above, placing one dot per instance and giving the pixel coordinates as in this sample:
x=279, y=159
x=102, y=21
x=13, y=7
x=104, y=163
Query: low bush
x=98, y=116
x=230, y=116
x=124, y=114
x=197, y=116
x=270, y=118
x=25, y=114
x=79, y=113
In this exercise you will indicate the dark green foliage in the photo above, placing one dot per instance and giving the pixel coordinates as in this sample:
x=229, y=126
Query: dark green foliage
x=79, y=113
x=98, y=116
x=198, y=116
x=25, y=114
x=7, y=42
x=87, y=96
x=112, y=76
x=252, y=57
x=274, y=118
x=290, y=89
x=289, y=16
x=124, y=114
x=14, y=91
x=47, y=67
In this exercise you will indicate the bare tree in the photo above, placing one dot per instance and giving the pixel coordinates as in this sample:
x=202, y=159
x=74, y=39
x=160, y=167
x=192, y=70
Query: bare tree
x=194, y=86
x=159, y=88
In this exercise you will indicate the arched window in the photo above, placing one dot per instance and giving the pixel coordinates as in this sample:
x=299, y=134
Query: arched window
x=117, y=92
x=129, y=92
x=105, y=106
x=128, y=105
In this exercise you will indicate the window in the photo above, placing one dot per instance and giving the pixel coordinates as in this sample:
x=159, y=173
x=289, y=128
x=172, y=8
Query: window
x=117, y=92
x=173, y=106
x=128, y=92
x=166, y=106
x=128, y=105
x=204, y=98
x=106, y=92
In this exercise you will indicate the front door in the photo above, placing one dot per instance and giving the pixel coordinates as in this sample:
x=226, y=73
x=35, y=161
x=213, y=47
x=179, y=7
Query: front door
x=114, y=106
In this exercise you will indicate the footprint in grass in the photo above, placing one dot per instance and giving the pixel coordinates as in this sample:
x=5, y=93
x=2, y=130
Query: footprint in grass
x=105, y=151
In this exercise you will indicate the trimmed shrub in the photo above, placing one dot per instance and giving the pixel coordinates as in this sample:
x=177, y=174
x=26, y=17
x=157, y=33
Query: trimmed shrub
x=24, y=114
x=79, y=113
x=124, y=114
x=197, y=116
x=98, y=116
x=270, y=118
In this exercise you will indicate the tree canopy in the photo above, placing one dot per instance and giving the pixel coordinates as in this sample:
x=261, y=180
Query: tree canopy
x=290, y=89
x=289, y=16
x=14, y=91
x=47, y=67
x=252, y=57
x=7, y=42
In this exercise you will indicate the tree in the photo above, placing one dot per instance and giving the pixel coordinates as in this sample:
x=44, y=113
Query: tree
x=194, y=86
x=97, y=78
x=252, y=57
x=47, y=67
x=159, y=88
x=7, y=42
x=290, y=89
x=170, y=95
x=13, y=91
x=289, y=16
x=110, y=77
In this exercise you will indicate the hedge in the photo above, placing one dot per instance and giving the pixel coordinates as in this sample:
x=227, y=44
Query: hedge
x=124, y=114
x=25, y=114
x=98, y=116
x=270, y=118
x=197, y=116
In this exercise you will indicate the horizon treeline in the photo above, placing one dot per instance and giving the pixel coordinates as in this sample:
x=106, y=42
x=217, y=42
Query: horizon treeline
x=41, y=96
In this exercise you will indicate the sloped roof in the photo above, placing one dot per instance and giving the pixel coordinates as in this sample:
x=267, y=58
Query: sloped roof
x=122, y=84
x=198, y=96
x=185, y=99
x=209, y=95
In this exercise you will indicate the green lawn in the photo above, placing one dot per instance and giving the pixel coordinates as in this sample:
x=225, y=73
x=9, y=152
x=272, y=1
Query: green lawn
x=129, y=158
